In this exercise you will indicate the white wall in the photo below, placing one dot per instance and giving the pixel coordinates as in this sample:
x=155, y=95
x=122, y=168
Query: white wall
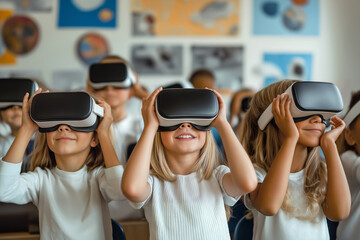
x=335, y=51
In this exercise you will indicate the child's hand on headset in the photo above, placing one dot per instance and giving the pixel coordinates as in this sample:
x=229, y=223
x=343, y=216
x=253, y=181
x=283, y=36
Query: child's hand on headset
x=283, y=119
x=26, y=121
x=106, y=120
x=337, y=126
x=148, y=111
x=221, y=117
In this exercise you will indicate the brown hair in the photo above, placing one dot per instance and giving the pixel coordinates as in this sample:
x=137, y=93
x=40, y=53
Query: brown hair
x=262, y=147
x=341, y=143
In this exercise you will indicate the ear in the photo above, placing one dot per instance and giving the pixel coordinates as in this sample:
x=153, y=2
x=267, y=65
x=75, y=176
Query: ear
x=94, y=142
x=348, y=137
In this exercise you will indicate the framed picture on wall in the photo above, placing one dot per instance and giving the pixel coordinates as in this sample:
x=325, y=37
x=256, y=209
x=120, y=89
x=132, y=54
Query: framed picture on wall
x=226, y=62
x=157, y=59
x=278, y=66
x=286, y=17
x=185, y=18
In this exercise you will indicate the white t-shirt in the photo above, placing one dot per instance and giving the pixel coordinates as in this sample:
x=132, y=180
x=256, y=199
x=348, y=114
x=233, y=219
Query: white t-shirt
x=4, y=129
x=5, y=144
x=72, y=205
x=349, y=228
x=126, y=132
x=282, y=225
x=188, y=208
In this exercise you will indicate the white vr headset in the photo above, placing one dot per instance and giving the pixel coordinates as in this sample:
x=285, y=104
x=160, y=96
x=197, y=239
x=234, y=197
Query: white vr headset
x=78, y=110
x=176, y=106
x=13, y=90
x=308, y=99
x=352, y=114
x=118, y=75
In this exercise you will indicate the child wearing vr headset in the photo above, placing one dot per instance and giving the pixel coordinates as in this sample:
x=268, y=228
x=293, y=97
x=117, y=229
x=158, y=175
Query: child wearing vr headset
x=12, y=91
x=296, y=189
x=174, y=172
x=113, y=80
x=349, y=148
x=74, y=169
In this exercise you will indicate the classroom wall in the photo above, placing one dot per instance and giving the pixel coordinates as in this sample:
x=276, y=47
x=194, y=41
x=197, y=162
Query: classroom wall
x=335, y=51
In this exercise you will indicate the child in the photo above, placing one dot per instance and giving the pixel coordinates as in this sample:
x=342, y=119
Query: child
x=126, y=130
x=349, y=148
x=67, y=181
x=296, y=189
x=184, y=195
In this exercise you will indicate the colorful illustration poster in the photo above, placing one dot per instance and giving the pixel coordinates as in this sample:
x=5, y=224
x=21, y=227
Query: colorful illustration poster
x=278, y=66
x=91, y=48
x=226, y=62
x=286, y=17
x=185, y=18
x=6, y=57
x=87, y=13
x=157, y=59
x=28, y=5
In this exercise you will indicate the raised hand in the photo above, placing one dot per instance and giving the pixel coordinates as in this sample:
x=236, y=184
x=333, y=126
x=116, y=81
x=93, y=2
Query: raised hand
x=337, y=126
x=106, y=121
x=148, y=110
x=283, y=118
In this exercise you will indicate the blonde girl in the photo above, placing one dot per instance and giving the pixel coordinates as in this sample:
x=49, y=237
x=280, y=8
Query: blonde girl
x=175, y=176
x=349, y=148
x=296, y=189
x=68, y=182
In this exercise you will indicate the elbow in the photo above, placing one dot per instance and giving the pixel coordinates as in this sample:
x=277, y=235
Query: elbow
x=249, y=185
x=269, y=210
x=129, y=191
x=339, y=215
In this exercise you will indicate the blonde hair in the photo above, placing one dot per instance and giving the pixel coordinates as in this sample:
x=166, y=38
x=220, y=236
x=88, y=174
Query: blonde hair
x=262, y=147
x=207, y=162
x=44, y=158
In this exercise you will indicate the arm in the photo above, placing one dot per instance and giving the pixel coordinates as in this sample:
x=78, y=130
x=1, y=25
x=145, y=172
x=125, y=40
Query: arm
x=13, y=187
x=338, y=199
x=104, y=134
x=275, y=184
x=137, y=90
x=242, y=178
x=134, y=183
x=26, y=131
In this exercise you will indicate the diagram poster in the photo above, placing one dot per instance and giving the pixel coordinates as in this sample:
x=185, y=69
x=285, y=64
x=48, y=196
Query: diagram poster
x=185, y=18
x=286, y=66
x=286, y=17
x=89, y=13
x=6, y=57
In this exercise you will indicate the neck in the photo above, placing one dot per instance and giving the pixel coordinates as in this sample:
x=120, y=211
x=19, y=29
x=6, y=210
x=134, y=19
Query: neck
x=71, y=163
x=182, y=164
x=119, y=113
x=300, y=155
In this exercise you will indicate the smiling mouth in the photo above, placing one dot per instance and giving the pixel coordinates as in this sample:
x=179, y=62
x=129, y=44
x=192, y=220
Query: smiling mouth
x=64, y=139
x=313, y=130
x=185, y=136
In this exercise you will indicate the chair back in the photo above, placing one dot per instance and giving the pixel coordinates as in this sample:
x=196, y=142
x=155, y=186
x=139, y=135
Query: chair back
x=117, y=231
x=244, y=229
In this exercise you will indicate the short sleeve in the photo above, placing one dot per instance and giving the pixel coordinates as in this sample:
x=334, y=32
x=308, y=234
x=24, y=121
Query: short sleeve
x=260, y=174
x=220, y=172
x=139, y=205
x=109, y=180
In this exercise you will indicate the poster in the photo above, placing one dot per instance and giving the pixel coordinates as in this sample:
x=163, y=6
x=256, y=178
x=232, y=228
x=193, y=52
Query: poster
x=69, y=80
x=286, y=17
x=226, y=62
x=6, y=57
x=157, y=59
x=87, y=13
x=278, y=66
x=28, y=5
x=185, y=18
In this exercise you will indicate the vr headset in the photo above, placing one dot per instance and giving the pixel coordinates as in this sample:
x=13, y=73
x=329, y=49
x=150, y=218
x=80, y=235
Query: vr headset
x=118, y=75
x=308, y=99
x=352, y=114
x=176, y=106
x=13, y=90
x=78, y=110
